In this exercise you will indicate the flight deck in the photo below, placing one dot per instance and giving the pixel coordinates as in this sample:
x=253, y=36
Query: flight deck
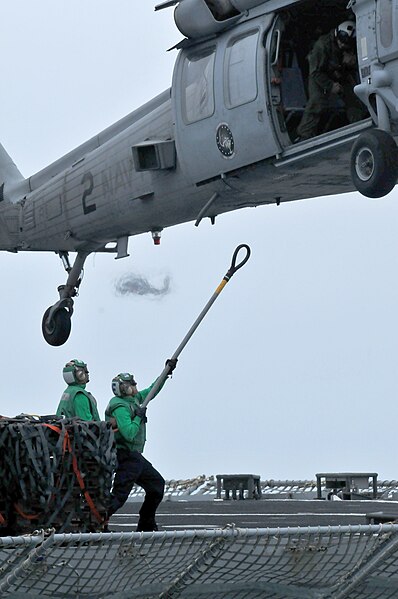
x=286, y=544
x=196, y=504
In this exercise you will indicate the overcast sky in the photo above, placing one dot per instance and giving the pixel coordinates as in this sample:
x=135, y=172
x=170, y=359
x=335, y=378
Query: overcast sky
x=293, y=371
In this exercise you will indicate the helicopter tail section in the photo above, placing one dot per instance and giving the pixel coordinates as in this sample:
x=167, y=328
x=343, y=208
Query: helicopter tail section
x=10, y=176
x=12, y=183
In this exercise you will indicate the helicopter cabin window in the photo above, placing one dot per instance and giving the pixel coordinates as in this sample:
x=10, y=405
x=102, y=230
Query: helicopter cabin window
x=241, y=70
x=198, y=86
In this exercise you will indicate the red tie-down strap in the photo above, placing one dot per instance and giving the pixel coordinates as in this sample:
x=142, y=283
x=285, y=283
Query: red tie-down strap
x=25, y=516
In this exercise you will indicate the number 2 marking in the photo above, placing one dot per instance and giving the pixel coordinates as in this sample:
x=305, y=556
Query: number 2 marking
x=88, y=178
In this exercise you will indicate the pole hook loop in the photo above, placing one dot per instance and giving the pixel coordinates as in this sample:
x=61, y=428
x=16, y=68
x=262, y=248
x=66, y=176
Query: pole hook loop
x=234, y=266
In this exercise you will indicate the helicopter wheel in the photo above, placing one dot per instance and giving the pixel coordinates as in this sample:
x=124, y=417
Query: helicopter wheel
x=374, y=163
x=56, y=331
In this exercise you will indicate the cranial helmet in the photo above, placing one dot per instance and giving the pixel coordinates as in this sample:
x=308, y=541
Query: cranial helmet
x=346, y=32
x=75, y=371
x=121, y=382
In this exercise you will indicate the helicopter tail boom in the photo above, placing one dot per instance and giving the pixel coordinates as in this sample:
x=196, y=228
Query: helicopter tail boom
x=10, y=176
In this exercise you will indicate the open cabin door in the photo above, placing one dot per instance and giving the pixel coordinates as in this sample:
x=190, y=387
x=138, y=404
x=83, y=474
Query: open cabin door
x=285, y=83
x=292, y=37
x=220, y=103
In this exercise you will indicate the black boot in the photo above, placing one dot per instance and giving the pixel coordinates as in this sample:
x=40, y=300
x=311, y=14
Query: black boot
x=146, y=525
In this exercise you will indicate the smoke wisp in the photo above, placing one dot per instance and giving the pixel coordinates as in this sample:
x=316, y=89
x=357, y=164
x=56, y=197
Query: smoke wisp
x=132, y=284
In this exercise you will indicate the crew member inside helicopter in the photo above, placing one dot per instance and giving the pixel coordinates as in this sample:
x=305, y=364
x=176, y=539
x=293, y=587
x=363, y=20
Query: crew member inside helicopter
x=332, y=76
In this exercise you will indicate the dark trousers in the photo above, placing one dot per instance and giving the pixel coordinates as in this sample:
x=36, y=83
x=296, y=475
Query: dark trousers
x=133, y=468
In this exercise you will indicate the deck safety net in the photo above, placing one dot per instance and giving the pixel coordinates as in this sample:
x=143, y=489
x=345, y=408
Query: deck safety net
x=354, y=562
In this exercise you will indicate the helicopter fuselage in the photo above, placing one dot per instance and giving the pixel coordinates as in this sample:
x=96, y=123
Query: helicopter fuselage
x=223, y=137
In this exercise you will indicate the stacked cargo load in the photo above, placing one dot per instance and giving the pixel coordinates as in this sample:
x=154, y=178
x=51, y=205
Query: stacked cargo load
x=54, y=473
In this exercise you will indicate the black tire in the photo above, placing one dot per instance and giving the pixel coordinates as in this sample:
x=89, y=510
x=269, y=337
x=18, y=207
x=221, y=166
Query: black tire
x=58, y=331
x=374, y=163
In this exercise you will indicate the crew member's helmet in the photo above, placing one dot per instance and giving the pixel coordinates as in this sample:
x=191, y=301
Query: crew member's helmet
x=75, y=372
x=121, y=382
x=346, y=33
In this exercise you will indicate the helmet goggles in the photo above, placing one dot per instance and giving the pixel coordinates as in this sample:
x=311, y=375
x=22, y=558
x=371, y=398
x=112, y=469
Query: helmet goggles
x=121, y=382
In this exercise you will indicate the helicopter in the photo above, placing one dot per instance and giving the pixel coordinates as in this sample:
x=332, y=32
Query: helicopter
x=222, y=137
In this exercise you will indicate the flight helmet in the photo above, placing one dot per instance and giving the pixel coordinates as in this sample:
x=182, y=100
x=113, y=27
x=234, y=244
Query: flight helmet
x=75, y=372
x=121, y=382
x=346, y=33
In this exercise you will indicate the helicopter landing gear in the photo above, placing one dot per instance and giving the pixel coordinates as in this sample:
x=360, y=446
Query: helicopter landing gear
x=374, y=163
x=56, y=324
x=56, y=327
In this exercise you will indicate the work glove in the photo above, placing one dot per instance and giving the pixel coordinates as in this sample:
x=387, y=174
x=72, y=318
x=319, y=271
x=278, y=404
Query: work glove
x=171, y=363
x=113, y=423
x=141, y=412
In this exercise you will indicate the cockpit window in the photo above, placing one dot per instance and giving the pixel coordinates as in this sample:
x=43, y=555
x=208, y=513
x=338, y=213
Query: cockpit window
x=241, y=70
x=198, y=86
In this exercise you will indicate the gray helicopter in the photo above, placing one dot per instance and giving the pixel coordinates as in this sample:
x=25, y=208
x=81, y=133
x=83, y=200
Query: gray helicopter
x=223, y=137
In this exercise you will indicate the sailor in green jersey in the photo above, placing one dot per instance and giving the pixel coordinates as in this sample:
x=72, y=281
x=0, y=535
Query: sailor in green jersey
x=130, y=436
x=76, y=402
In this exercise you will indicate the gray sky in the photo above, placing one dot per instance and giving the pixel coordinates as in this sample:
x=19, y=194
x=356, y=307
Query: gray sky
x=292, y=372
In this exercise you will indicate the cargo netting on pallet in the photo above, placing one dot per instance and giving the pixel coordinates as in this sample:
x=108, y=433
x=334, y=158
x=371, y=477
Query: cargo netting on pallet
x=54, y=473
x=351, y=562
